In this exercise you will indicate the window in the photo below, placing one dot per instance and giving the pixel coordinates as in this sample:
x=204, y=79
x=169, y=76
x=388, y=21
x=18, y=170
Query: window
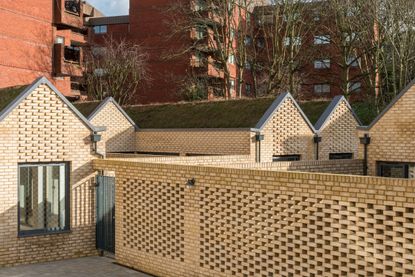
x=260, y=42
x=231, y=59
x=353, y=61
x=100, y=29
x=322, y=64
x=200, y=33
x=43, y=195
x=292, y=41
x=341, y=156
x=60, y=40
x=322, y=39
x=350, y=37
x=233, y=33
x=286, y=158
x=248, y=89
x=231, y=84
x=248, y=40
x=248, y=65
x=200, y=5
x=322, y=88
x=396, y=170
x=355, y=87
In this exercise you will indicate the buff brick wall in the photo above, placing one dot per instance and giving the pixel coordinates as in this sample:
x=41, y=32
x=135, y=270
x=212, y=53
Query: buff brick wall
x=196, y=141
x=392, y=138
x=287, y=133
x=120, y=133
x=43, y=129
x=241, y=222
x=339, y=134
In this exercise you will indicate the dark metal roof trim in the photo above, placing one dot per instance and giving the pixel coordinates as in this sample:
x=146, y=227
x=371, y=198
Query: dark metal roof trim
x=330, y=110
x=275, y=107
x=102, y=106
x=391, y=104
x=108, y=20
x=43, y=81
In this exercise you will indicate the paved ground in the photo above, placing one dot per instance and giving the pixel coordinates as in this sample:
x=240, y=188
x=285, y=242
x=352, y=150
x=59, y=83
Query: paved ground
x=90, y=267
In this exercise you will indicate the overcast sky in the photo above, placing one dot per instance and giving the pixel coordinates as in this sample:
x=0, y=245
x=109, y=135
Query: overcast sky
x=111, y=7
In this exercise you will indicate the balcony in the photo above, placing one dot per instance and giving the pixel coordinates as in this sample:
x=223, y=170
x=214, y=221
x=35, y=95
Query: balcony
x=67, y=61
x=68, y=13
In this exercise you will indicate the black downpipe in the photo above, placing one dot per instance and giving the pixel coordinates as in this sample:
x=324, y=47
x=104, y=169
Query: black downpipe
x=259, y=138
x=317, y=140
x=365, y=141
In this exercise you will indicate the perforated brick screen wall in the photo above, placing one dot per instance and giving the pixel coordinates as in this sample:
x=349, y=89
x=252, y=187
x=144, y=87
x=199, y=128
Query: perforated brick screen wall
x=239, y=222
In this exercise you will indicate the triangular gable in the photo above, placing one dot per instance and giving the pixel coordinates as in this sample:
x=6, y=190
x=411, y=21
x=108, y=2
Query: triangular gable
x=324, y=118
x=275, y=106
x=391, y=104
x=104, y=103
x=38, y=82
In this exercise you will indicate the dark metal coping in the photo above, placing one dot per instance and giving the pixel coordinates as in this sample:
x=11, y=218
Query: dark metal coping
x=43, y=81
x=108, y=20
x=331, y=108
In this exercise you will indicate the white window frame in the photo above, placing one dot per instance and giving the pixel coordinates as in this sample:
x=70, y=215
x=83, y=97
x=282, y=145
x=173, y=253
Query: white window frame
x=322, y=64
x=322, y=39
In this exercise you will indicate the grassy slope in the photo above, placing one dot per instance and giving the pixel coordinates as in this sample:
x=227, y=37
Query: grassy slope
x=7, y=95
x=86, y=108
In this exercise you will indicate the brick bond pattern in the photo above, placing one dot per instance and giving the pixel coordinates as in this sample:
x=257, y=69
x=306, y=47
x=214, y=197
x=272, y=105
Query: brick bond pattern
x=244, y=222
x=392, y=138
x=287, y=133
x=120, y=134
x=197, y=141
x=43, y=129
x=339, y=134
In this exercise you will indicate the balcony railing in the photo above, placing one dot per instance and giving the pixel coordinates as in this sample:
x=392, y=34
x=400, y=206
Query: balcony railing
x=72, y=54
x=73, y=6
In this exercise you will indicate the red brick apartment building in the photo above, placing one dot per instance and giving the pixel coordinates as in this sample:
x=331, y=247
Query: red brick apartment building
x=148, y=25
x=43, y=38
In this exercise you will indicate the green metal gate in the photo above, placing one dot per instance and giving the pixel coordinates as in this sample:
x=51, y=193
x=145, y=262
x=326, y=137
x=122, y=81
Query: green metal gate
x=105, y=225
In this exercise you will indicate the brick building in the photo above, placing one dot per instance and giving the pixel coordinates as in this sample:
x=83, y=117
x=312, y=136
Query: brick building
x=43, y=38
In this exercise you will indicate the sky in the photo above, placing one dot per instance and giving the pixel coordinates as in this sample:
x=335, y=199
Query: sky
x=111, y=7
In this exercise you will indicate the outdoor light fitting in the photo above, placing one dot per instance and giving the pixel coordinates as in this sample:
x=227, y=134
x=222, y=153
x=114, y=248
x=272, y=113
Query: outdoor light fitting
x=191, y=183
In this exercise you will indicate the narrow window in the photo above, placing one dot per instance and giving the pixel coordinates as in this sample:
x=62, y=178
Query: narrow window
x=341, y=156
x=322, y=64
x=43, y=199
x=248, y=89
x=286, y=158
x=355, y=87
x=100, y=29
x=322, y=39
x=395, y=170
x=321, y=88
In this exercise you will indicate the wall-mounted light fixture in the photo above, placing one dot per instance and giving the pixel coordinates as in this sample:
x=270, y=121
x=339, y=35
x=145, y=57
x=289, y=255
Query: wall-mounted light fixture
x=317, y=140
x=96, y=137
x=191, y=183
x=365, y=140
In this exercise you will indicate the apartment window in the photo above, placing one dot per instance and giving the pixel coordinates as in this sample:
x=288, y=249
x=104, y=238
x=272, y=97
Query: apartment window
x=353, y=61
x=321, y=88
x=100, y=29
x=322, y=64
x=316, y=16
x=286, y=158
x=349, y=37
x=248, y=89
x=356, y=87
x=293, y=17
x=322, y=39
x=341, y=156
x=200, y=32
x=396, y=170
x=248, y=65
x=231, y=59
x=248, y=40
x=200, y=5
x=296, y=41
x=231, y=84
x=43, y=195
x=60, y=40
x=260, y=42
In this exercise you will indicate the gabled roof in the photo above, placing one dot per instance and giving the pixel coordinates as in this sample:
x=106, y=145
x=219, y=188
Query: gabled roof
x=104, y=103
x=275, y=107
x=11, y=105
x=391, y=104
x=331, y=109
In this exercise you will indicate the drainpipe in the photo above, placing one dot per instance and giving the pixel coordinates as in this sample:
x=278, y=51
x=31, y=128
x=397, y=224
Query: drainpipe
x=95, y=138
x=317, y=140
x=365, y=141
x=258, y=139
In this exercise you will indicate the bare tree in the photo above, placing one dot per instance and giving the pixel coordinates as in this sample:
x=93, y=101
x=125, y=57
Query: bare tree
x=116, y=69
